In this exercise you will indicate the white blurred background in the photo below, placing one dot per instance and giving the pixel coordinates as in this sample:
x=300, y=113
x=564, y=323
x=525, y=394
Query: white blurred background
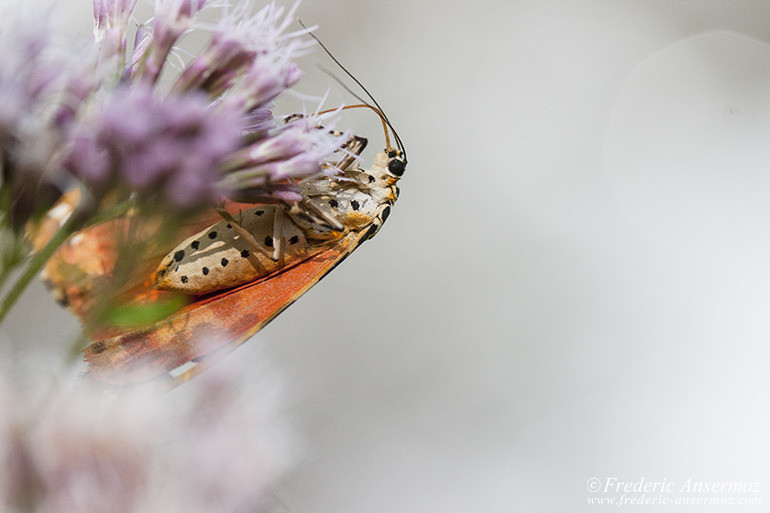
x=575, y=282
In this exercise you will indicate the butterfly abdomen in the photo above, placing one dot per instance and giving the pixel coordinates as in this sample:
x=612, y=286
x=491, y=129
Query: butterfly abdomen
x=219, y=257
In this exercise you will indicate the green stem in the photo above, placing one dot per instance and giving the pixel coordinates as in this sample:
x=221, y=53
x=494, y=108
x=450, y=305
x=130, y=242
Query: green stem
x=38, y=260
x=12, y=255
x=36, y=263
x=4, y=274
x=116, y=211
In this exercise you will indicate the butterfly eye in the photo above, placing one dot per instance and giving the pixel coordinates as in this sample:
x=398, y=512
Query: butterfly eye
x=397, y=167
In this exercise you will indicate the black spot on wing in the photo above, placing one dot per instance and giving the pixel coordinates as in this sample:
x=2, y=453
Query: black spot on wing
x=294, y=240
x=179, y=255
x=184, y=279
x=224, y=262
x=245, y=253
x=195, y=244
x=205, y=271
x=355, y=205
x=212, y=235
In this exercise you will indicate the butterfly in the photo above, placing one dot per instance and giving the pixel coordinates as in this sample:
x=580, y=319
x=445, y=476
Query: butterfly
x=238, y=272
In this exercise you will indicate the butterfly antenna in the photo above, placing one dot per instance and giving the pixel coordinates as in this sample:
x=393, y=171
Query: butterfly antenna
x=385, y=122
x=364, y=105
x=358, y=82
x=377, y=109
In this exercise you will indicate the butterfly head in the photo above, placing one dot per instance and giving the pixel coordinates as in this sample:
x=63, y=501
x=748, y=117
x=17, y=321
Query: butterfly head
x=396, y=163
x=390, y=165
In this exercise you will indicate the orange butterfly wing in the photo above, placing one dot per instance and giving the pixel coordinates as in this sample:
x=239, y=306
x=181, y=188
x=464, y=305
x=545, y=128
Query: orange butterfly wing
x=211, y=326
x=191, y=338
x=84, y=264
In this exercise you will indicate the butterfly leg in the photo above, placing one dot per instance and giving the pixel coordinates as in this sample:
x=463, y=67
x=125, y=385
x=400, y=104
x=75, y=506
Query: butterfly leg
x=326, y=216
x=352, y=151
x=311, y=211
x=278, y=235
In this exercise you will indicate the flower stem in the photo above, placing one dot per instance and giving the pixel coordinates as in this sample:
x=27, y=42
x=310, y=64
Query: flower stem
x=12, y=254
x=38, y=260
x=4, y=274
x=36, y=263
x=109, y=214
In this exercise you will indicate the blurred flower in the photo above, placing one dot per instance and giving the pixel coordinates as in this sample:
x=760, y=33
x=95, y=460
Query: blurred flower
x=246, y=64
x=170, y=147
x=36, y=88
x=116, y=128
x=217, y=445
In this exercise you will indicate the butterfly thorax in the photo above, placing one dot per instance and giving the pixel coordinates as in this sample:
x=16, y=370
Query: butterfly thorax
x=354, y=200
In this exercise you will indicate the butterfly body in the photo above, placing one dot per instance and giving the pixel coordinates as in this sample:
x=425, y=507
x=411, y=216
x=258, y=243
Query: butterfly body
x=221, y=256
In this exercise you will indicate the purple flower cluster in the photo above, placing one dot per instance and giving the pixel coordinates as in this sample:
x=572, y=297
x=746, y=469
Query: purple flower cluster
x=292, y=153
x=217, y=445
x=126, y=120
x=37, y=92
x=188, y=139
x=169, y=147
